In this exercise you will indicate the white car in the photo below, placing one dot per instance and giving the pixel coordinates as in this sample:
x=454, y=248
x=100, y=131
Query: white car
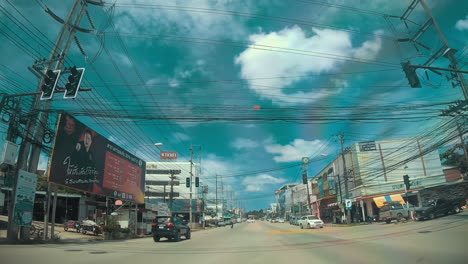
x=281, y=220
x=310, y=221
x=251, y=221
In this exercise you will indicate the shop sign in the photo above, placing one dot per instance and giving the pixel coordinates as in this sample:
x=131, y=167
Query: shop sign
x=367, y=146
x=415, y=183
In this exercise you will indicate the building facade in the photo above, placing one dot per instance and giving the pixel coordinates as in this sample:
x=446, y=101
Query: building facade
x=165, y=182
x=374, y=170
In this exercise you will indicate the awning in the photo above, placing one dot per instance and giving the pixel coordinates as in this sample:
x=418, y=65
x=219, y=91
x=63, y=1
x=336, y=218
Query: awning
x=412, y=191
x=381, y=200
x=321, y=199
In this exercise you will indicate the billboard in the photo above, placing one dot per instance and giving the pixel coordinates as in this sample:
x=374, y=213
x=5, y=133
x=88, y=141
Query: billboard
x=168, y=155
x=84, y=160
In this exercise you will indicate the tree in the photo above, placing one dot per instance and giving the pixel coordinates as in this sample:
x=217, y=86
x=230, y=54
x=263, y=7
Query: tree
x=455, y=157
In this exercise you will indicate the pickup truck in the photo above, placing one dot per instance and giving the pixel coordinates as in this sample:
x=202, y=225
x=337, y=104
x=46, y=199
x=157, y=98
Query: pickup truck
x=394, y=211
x=434, y=208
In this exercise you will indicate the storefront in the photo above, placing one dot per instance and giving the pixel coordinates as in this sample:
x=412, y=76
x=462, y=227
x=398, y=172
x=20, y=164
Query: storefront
x=369, y=206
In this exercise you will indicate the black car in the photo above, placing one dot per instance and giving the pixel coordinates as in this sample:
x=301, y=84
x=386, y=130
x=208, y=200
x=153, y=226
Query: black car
x=170, y=227
x=434, y=208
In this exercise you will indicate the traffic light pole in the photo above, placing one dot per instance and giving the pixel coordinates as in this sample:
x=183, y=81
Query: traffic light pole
x=32, y=125
x=191, y=183
x=445, y=51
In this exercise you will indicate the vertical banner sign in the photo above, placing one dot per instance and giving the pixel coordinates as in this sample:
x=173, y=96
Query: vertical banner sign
x=24, y=200
x=84, y=160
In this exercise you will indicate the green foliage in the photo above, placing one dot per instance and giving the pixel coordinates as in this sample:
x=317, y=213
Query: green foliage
x=42, y=186
x=257, y=213
x=454, y=157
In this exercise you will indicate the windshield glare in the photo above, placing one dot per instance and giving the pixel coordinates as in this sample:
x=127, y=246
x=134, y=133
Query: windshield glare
x=163, y=220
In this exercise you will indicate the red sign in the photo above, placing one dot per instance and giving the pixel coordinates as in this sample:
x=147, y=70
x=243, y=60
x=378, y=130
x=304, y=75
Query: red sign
x=168, y=155
x=121, y=175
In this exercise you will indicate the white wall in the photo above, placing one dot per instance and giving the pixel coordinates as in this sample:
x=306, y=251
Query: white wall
x=424, y=171
x=184, y=192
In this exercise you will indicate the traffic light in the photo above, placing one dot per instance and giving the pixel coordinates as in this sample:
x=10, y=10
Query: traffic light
x=187, y=182
x=48, y=86
x=197, y=182
x=304, y=178
x=406, y=181
x=74, y=81
x=410, y=73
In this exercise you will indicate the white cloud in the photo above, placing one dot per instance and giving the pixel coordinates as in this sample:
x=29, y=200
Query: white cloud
x=370, y=48
x=43, y=162
x=296, y=150
x=183, y=19
x=213, y=165
x=462, y=24
x=181, y=136
x=259, y=182
x=122, y=58
x=244, y=143
x=327, y=44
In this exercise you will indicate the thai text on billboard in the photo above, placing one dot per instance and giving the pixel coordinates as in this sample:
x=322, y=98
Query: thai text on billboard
x=83, y=159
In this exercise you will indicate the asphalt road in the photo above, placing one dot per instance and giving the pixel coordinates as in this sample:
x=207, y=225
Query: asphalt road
x=442, y=240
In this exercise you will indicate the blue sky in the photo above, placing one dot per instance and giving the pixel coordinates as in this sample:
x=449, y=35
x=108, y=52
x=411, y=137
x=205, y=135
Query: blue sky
x=191, y=72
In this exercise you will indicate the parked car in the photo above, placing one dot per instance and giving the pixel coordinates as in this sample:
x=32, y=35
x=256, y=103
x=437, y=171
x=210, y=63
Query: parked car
x=291, y=220
x=280, y=220
x=434, y=208
x=295, y=220
x=250, y=220
x=310, y=221
x=170, y=227
x=274, y=220
x=394, y=211
x=221, y=223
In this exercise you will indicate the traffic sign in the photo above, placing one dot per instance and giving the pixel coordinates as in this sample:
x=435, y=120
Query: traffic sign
x=348, y=203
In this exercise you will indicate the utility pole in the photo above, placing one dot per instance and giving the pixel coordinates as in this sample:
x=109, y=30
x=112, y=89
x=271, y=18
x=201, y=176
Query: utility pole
x=305, y=176
x=462, y=142
x=345, y=176
x=216, y=200
x=191, y=183
x=57, y=55
x=171, y=194
x=445, y=50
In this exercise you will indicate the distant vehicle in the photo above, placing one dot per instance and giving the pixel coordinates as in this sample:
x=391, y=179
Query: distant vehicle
x=294, y=220
x=310, y=221
x=170, y=227
x=250, y=220
x=394, y=211
x=274, y=220
x=280, y=220
x=434, y=208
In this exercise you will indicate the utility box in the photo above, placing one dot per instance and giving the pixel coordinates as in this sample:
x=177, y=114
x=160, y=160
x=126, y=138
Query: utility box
x=8, y=154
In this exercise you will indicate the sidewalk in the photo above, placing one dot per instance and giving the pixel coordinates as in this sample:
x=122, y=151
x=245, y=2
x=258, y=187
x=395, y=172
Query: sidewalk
x=65, y=237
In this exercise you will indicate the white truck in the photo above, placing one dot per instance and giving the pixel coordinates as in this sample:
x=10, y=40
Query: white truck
x=310, y=221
